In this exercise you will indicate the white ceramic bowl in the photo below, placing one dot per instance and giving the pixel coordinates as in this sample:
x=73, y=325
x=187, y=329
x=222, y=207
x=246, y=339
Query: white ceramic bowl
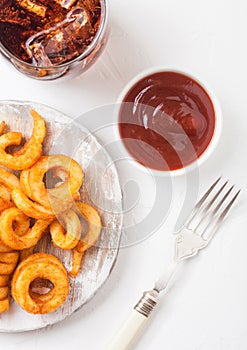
x=215, y=137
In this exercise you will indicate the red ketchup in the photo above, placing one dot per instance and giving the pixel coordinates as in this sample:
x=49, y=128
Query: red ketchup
x=166, y=121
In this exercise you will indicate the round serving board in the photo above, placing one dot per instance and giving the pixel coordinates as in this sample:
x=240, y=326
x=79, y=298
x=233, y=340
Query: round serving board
x=101, y=189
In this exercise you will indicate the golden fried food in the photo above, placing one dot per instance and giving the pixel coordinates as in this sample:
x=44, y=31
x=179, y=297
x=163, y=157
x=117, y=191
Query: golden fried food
x=22, y=226
x=49, y=186
x=69, y=237
x=32, y=209
x=4, y=280
x=2, y=127
x=6, y=140
x=11, y=239
x=9, y=180
x=30, y=152
x=4, y=305
x=4, y=292
x=24, y=181
x=94, y=228
x=5, y=198
x=25, y=253
x=7, y=269
x=77, y=258
x=5, y=204
x=5, y=193
x=4, y=248
x=43, y=266
x=59, y=198
x=9, y=258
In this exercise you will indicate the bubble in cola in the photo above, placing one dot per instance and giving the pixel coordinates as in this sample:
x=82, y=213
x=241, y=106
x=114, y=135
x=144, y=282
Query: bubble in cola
x=57, y=44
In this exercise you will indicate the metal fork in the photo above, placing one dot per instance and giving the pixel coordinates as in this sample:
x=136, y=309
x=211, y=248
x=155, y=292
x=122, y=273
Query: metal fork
x=199, y=229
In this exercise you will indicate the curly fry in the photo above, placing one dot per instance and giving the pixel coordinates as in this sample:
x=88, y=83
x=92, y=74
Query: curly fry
x=27, y=240
x=4, y=281
x=30, y=152
x=5, y=204
x=43, y=266
x=9, y=258
x=76, y=263
x=24, y=181
x=4, y=248
x=9, y=180
x=69, y=237
x=32, y=209
x=25, y=253
x=7, y=269
x=59, y=198
x=21, y=226
x=4, y=305
x=2, y=127
x=94, y=222
x=4, y=291
x=5, y=193
x=94, y=228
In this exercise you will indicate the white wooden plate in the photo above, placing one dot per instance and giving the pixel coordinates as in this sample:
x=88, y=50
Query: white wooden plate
x=101, y=188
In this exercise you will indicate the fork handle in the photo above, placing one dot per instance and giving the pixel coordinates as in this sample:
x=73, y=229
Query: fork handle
x=135, y=322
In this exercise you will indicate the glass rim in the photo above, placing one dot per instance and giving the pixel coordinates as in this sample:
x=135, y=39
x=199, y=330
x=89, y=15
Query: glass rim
x=100, y=31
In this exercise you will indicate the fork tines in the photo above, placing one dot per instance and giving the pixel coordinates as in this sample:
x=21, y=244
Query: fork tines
x=212, y=208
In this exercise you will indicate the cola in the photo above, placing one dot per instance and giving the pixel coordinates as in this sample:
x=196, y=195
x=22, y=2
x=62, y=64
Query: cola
x=48, y=32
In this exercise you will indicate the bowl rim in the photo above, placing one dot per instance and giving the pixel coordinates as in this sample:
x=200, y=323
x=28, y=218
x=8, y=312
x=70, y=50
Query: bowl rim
x=217, y=129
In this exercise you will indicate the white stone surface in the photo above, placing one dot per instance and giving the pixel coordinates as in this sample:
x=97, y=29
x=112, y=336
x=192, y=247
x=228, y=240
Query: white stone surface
x=206, y=309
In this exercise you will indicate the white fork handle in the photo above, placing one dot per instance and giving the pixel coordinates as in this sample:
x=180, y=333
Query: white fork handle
x=129, y=331
x=135, y=322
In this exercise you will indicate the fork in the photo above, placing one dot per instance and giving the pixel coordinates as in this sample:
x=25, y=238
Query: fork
x=196, y=233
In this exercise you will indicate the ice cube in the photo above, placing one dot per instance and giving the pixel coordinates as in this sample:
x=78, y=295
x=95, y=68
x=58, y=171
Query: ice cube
x=57, y=44
x=66, y=3
x=39, y=10
x=87, y=4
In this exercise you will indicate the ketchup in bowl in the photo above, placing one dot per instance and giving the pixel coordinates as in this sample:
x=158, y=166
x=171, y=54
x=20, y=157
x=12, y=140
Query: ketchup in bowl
x=166, y=121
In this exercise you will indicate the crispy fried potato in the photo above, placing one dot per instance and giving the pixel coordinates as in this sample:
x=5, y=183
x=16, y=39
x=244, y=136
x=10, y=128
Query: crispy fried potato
x=30, y=152
x=25, y=253
x=94, y=228
x=5, y=204
x=9, y=139
x=22, y=226
x=4, y=291
x=4, y=248
x=69, y=237
x=4, y=281
x=9, y=180
x=4, y=305
x=43, y=266
x=59, y=198
x=7, y=269
x=5, y=193
x=77, y=258
x=11, y=238
x=9, y=258
x=24, y=181
x=32, y=209
x=2, y=127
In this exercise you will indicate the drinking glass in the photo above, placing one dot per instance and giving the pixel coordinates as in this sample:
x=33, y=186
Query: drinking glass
x=71, y=68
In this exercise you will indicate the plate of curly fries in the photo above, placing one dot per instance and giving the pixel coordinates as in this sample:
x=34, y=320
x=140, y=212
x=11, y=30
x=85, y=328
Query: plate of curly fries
x=60, y=216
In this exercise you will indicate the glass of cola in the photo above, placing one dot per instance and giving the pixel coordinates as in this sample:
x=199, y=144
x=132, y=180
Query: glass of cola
x=50, y=39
